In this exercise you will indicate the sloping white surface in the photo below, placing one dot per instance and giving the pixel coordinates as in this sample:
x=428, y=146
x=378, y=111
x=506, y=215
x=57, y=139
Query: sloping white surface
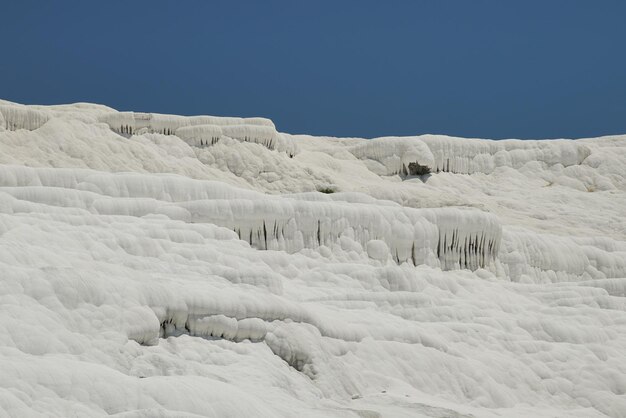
x=148, y=274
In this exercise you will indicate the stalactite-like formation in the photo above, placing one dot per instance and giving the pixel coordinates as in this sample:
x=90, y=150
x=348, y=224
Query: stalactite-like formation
x=437, y=153
x=465, y=239
x=200, y=131
x=396, y=154
x=14, y=117
x=468, y=156
x=200, y=135
x=450, y=238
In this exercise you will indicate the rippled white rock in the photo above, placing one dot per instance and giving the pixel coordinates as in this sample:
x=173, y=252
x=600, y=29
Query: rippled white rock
x=150, y=274
x=14, y=117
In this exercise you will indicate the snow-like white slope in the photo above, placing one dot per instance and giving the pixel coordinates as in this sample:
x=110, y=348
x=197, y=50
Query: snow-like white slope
x=165, y=266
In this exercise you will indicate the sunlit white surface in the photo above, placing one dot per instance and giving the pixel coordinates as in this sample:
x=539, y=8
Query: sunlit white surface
x=165, y=266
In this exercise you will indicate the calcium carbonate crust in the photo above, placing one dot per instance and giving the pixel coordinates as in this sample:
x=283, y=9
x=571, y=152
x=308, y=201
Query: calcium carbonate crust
x=161, y=265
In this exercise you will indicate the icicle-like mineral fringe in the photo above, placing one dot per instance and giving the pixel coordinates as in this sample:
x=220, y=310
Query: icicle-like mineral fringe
x=201, y=130
x=396, y=154
x=200, y=135
x=466, y=156
x=14, y=117
x=451, y=238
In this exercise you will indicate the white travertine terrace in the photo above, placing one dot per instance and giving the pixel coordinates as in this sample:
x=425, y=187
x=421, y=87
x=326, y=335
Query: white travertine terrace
x=200, y=135
x=14, y=117
x=448, y=237
x=199, y=130
x=467, y=156
x=163, y=265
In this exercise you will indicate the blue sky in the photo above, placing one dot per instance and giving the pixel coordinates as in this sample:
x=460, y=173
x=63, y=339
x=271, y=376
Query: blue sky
x=493, y=69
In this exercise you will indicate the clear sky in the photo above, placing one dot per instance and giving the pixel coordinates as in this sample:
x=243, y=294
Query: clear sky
x=477, y=68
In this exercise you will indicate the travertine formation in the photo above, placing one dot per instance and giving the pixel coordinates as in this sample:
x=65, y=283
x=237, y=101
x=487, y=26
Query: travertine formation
x=161, y=265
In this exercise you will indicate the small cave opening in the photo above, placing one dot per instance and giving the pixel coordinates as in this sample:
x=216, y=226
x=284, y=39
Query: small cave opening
x=415, y=169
